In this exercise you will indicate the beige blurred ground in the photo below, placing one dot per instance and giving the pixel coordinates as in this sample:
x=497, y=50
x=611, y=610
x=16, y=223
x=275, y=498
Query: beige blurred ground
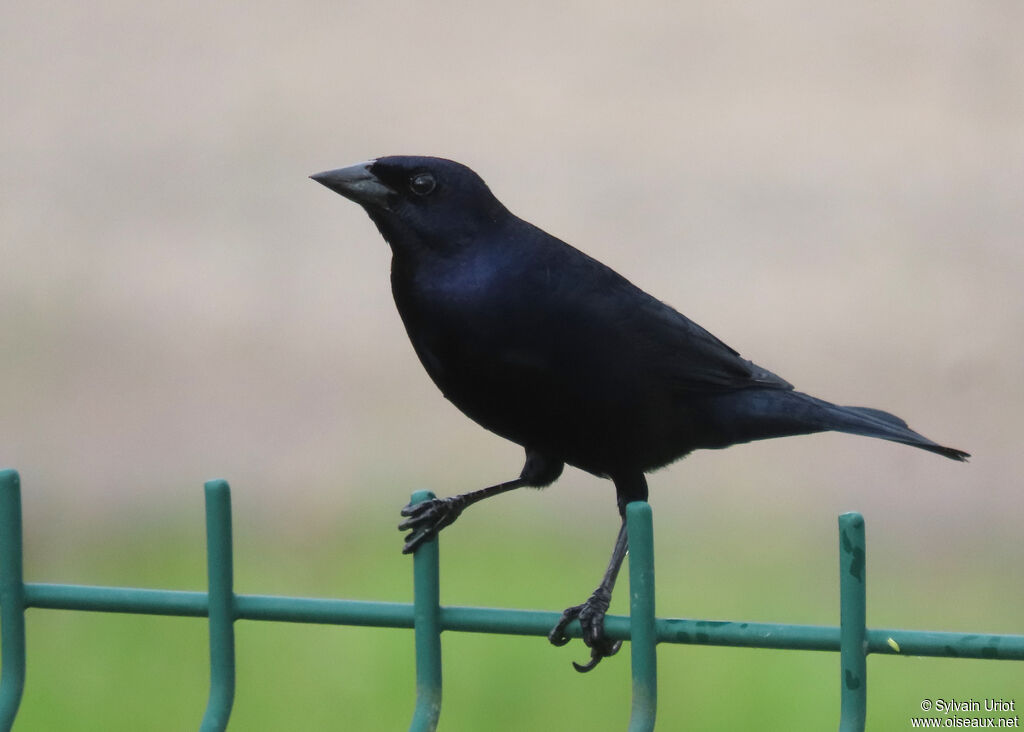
x=837, y=190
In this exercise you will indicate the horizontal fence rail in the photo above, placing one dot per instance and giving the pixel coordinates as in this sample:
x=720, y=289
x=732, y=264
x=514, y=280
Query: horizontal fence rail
x=852, y=639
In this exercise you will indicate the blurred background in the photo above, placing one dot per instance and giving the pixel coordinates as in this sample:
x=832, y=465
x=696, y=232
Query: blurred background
x=835, y=191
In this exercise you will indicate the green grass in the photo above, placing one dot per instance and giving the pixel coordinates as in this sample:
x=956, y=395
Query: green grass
x=121, y=672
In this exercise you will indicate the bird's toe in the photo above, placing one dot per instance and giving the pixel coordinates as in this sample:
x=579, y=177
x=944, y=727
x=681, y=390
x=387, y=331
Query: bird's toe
x=591, y=616
x=558, y=636
x=424, y=520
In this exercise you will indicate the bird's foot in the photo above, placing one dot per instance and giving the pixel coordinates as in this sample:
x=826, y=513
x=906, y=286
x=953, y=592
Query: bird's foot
x=425, y=519
x=591, y=616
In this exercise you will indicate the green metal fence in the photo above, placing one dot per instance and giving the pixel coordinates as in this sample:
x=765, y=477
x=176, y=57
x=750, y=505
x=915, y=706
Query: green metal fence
x=428, y=618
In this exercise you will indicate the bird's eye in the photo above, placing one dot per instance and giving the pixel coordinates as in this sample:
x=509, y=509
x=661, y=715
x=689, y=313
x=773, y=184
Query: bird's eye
x=422, y=184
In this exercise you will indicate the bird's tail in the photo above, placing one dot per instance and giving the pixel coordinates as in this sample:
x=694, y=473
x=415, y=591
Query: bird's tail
x=775, y=413
x=876, y=423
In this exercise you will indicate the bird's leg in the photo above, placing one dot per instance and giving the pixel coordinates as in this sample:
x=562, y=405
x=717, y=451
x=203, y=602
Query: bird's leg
x=591, y=613
x=628, y=487
x=425, y=519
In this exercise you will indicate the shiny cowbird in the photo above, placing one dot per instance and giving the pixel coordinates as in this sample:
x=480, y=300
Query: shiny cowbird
x=549, y=348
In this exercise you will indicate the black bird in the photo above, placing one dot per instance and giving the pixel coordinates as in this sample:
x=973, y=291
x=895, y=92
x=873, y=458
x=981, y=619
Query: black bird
x=549, y=348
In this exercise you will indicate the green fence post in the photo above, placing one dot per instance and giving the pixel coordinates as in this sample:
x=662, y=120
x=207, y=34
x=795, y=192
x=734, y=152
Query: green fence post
x=852, y=624
x=427, y=624
x=221, y=607
x=12, y=600
x=643, y=636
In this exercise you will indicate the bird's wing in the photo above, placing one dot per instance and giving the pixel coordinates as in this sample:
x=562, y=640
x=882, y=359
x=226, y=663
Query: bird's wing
x=690, y=356
x=671, y=346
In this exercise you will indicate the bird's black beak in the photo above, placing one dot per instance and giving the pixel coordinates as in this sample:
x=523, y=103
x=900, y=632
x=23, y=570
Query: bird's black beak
x=357, y=183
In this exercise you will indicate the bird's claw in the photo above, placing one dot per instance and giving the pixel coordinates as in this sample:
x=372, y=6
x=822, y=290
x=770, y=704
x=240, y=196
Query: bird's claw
x=591, y=616
x=425, y=519
x=596, y=654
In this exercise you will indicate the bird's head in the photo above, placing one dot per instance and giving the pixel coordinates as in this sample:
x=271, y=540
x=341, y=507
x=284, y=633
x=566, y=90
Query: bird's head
x=419, y=202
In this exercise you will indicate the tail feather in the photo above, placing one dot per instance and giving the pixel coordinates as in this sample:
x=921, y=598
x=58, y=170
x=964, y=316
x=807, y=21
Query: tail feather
x=879, y=414
x=876, y=423
x=746, y=415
